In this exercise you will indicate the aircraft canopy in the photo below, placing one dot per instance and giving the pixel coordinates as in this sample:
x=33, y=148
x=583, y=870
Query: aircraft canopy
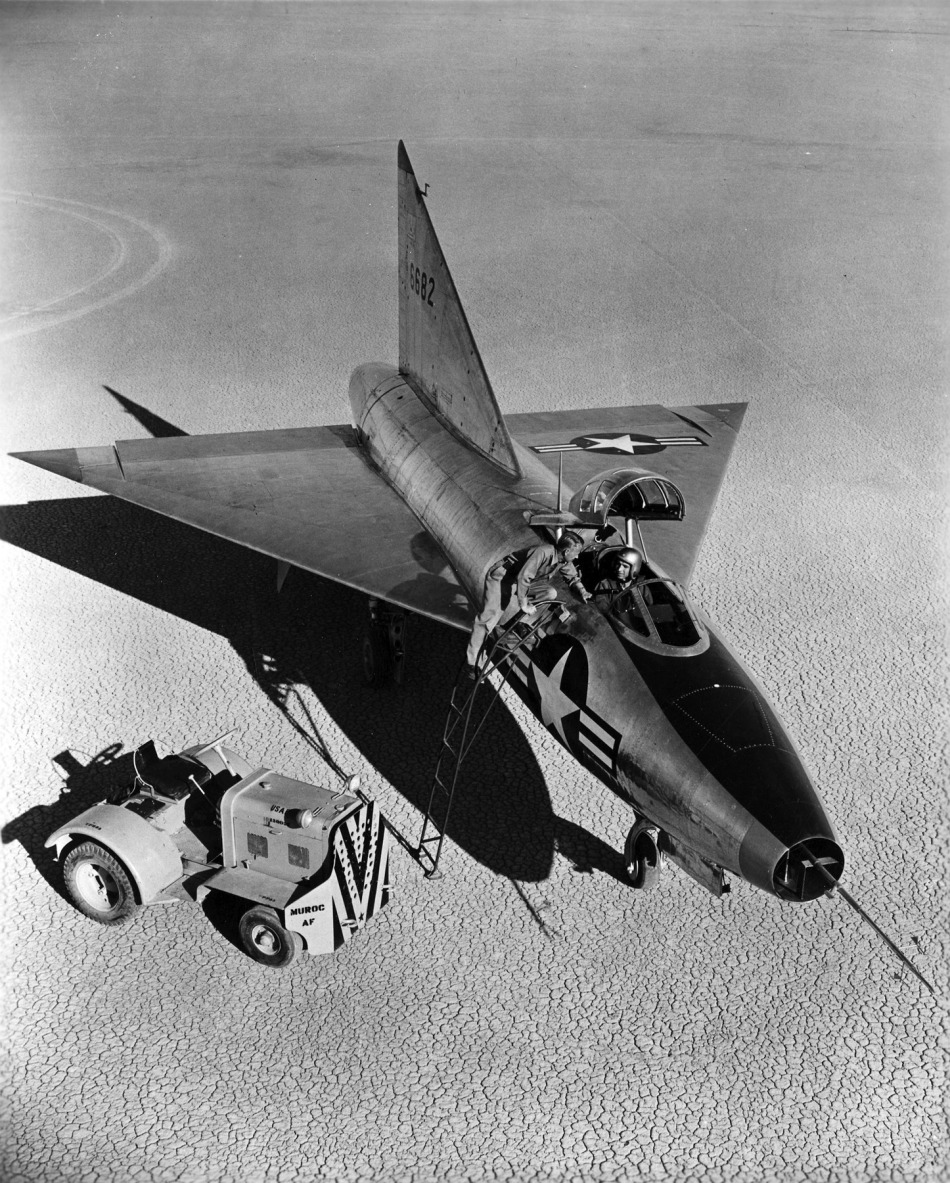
x=629, y=493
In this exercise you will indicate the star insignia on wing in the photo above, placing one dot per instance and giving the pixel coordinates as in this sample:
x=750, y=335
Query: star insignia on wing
x=618, y=443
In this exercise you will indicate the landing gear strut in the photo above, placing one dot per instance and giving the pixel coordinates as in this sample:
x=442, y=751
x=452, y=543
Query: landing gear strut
x=383, y=646
x=642, y=854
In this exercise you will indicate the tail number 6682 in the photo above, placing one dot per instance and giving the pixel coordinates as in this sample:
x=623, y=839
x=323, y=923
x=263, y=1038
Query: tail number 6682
x=423, y=285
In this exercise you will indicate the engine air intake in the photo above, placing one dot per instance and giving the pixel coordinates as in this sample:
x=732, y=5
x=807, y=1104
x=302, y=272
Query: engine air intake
x=808, y=870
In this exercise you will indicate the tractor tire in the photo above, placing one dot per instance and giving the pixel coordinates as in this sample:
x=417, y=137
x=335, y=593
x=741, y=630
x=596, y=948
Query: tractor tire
x=99, y=885
x=642, y=858
x=265, y=938
x=377, y=659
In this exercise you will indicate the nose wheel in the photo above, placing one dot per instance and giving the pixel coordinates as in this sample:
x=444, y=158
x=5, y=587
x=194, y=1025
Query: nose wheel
x=642, y=855
x=383, y=644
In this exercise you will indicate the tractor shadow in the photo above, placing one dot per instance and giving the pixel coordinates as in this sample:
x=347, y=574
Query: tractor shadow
x=223, y=912
x=306, y=640
x=84, y=785
x=86, y=780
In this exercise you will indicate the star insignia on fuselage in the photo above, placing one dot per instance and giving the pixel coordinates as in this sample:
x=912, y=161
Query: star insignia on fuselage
x=554, y=705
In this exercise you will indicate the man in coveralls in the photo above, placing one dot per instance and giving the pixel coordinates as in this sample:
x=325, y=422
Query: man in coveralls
x=531, y=587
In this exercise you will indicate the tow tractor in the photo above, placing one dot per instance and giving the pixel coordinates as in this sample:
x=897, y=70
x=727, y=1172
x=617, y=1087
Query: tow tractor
x=311, y=863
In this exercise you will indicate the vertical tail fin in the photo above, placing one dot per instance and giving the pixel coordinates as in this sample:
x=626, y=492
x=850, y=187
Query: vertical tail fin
x=436, y=349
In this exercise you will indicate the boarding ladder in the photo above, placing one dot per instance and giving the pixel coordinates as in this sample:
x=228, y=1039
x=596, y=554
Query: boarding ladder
x=463, y=724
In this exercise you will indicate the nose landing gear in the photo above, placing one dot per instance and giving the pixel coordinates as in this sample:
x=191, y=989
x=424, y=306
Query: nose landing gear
x=642, y=854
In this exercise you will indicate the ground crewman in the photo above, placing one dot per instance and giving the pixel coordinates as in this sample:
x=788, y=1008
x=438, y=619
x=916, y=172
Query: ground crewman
x=526, y=584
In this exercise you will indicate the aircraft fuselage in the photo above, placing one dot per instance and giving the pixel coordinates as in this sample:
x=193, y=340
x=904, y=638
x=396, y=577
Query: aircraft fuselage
x=685, y=735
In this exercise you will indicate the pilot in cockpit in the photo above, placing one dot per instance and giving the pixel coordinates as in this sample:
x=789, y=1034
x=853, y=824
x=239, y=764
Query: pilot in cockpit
x=624, y=570
x=613, y=594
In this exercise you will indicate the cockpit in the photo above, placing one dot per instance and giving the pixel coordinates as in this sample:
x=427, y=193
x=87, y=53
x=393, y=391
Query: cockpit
x=651, y=611
x=645, y=607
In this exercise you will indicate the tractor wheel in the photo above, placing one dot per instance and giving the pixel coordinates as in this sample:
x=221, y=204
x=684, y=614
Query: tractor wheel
x=642, y=857
x=99, y=885
x=377, y=659
x=266, y=939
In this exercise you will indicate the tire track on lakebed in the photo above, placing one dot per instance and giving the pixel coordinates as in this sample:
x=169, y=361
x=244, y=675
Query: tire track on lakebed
x=139, y=253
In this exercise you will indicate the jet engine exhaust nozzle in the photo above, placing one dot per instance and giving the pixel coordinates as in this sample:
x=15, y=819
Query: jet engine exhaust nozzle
x=808, y=870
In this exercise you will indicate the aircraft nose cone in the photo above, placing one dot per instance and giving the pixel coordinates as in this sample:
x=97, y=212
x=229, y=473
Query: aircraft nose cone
x=790, y=848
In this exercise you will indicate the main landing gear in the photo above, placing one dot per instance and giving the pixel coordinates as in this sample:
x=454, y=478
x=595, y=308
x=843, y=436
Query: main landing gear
x=642, y=854
x=383, y=646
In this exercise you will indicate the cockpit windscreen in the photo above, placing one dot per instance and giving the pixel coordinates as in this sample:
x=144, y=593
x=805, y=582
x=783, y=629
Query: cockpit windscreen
x=655, y=610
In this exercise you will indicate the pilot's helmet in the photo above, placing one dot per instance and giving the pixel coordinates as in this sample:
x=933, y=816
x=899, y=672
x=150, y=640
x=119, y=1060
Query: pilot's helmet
x=633, y=559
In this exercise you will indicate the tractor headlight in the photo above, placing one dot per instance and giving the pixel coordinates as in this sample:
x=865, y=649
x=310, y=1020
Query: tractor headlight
x=298, y=819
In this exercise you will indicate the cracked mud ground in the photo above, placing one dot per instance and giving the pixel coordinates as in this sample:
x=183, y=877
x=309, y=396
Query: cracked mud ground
x=653, y=203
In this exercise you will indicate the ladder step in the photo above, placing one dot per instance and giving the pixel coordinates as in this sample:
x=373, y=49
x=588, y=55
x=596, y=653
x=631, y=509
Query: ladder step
x=450, y=729
x=455, y=748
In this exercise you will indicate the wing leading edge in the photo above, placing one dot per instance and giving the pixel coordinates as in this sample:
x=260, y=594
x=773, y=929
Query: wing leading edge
x=303, y=495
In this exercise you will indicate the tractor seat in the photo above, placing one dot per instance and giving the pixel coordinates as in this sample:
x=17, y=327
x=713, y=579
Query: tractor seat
x=174, y=776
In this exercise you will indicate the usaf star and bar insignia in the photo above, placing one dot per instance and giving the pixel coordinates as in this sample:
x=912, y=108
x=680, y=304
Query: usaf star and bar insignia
x=622, y=444
x=554, y=676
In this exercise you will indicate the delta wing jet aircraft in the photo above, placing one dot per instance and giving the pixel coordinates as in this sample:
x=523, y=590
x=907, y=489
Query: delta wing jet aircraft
x=643, y=692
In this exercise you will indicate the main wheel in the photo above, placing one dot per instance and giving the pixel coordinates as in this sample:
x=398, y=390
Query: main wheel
x=642, y=857
x=99, y=885
x=266, y=939
x=377, y=659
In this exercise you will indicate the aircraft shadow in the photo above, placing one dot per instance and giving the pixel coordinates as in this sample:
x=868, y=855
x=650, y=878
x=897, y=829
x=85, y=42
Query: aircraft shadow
x=307, y=640
x=155, y=425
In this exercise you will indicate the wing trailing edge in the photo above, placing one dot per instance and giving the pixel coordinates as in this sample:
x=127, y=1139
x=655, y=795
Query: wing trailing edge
x=437, y=352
